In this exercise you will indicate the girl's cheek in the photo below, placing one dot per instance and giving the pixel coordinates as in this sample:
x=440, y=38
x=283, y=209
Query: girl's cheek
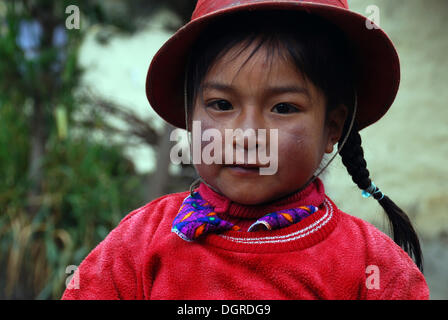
x=296, y=145
x=292, y=137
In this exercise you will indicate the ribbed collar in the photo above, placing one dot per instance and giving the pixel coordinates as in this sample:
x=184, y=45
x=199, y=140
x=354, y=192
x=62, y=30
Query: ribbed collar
x=298, y=236
x=313, y=194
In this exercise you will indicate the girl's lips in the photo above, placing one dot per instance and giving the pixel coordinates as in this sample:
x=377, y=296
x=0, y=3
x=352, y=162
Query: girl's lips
x=244, y=169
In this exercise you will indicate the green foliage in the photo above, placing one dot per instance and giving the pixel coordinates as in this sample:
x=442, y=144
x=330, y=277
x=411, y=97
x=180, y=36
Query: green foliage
x=88, y=189
x=14, y=146
x=86, y=186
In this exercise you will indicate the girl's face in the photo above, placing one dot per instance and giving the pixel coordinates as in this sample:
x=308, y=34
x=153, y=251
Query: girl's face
x=264, y=95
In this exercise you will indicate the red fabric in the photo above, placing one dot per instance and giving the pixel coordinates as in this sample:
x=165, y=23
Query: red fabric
x=205, y=7
x=325, y=256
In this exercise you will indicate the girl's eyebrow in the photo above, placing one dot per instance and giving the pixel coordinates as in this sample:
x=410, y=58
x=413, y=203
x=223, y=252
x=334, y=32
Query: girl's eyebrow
x=272, y=90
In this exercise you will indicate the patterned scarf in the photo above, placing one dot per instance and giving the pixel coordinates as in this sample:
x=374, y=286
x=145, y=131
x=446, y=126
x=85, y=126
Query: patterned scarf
x=196, y=217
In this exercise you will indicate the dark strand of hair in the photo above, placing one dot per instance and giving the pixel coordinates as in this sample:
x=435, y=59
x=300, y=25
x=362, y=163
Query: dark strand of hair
x=403, y=232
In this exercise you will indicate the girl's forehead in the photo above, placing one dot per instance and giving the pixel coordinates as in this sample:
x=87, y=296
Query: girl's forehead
x=252, y=53
x=253, y=63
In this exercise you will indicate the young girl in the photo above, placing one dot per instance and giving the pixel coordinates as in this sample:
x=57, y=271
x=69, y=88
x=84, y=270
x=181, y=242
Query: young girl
x=314, y=74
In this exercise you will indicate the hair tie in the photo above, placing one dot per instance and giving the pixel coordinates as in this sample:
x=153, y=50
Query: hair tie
x=372, y=190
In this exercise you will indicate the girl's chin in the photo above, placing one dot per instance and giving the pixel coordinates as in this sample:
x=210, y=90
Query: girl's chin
x=248, y=196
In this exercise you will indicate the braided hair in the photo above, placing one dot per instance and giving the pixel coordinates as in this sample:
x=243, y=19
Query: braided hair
x=403, y=232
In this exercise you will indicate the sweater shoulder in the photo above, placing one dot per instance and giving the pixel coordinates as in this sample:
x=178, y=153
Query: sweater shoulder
x=400, y=276
x=141, y=225
x=112, y=268
x=378, y=245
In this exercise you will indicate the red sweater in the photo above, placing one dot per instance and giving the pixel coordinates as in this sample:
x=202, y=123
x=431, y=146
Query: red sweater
x=329, y=255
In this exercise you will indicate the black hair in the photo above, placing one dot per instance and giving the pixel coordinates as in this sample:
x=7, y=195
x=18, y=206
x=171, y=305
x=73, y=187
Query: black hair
x=403, y=232
x=325, y=57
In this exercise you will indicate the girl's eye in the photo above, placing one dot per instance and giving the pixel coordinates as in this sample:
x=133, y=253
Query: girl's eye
x=284, y=108
x=220, y=105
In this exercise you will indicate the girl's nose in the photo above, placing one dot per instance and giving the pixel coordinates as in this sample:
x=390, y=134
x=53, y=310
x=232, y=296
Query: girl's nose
x=249, y=121
x=250, y=117
x=245, y=139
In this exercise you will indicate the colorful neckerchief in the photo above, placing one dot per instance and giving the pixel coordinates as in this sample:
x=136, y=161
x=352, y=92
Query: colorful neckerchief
x=196, y=217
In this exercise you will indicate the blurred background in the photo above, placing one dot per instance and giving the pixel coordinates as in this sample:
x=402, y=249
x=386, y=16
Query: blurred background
x=80, y=147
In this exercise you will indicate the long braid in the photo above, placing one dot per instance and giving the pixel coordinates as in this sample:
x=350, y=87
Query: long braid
x=403, y=232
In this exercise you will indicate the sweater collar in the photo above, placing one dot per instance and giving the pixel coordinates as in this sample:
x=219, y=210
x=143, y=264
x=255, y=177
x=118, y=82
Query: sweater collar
x=313, y=194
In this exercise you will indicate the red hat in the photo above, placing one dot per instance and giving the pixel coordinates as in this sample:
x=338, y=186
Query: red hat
x=378, y=69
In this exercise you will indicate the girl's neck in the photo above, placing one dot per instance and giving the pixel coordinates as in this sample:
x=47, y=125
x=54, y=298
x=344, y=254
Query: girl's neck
x=244, y=215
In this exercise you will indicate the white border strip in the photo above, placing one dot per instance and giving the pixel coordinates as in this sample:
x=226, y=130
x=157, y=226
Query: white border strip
x=292, y=236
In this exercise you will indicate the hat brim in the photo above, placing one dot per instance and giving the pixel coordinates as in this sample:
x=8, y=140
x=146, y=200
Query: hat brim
x=378, y=62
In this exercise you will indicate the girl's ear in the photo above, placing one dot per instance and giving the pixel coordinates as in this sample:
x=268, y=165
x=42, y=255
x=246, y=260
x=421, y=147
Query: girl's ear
x=335, y=124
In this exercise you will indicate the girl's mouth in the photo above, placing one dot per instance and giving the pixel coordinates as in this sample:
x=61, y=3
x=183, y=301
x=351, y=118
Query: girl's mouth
x=244, y=169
